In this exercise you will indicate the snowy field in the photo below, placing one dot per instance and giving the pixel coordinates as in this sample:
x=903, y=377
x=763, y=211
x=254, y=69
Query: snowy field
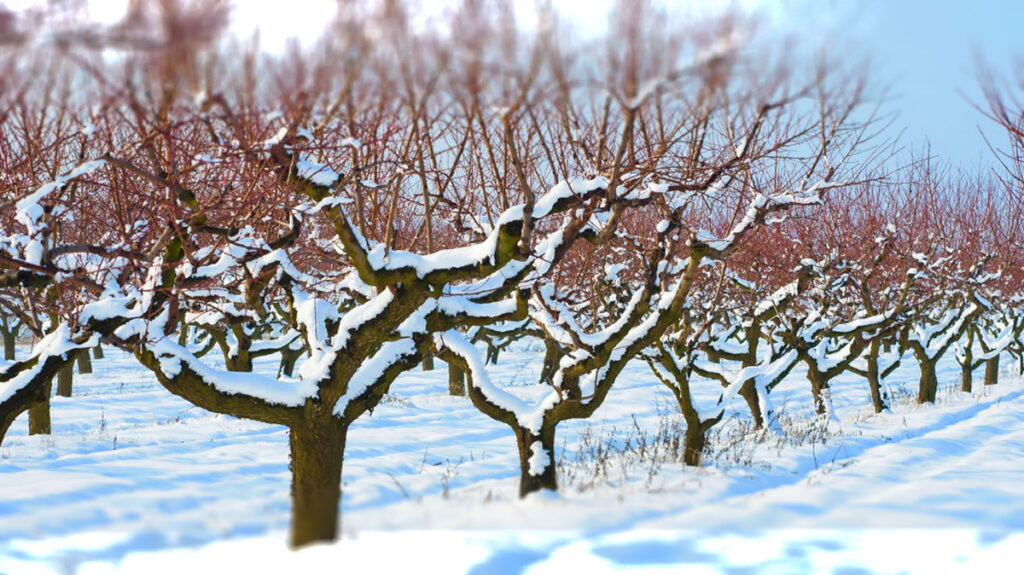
x=135, y=480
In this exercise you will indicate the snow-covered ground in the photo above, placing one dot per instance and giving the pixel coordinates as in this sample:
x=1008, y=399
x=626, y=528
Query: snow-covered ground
x=135, y=480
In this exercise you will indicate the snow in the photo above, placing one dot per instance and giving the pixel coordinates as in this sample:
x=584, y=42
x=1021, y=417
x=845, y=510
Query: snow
x=315, y=172
x=136, y=480
x=539, y=458
x=291, y=393
x=564, y=190
x=56, y=343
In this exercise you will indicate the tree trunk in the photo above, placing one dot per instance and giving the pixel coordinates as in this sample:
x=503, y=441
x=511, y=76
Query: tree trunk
x=749, y=394
x=537, y=469
x=456, y=381
x=10, y=344
x=428, y=362
x=694, y=438
x=84, y=362
x=493, y=351
x=317, y=452
x=875, y=379
x=819, y=387
x=288, y=360
x=97, y=352
x=992, y=370
x=39, y=415
x=967, y=374
x=182, y=331
x=693, y=444
x=242, y=362
x=552, y=355
x=967, y=367
x=929, y=383
x=65, y=377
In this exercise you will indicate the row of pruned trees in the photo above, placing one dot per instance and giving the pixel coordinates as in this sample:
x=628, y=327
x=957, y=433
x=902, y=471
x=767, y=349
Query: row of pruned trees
x=682, y=196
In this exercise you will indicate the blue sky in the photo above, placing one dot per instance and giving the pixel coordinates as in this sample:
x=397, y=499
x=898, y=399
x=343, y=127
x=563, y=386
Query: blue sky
x=926, y=51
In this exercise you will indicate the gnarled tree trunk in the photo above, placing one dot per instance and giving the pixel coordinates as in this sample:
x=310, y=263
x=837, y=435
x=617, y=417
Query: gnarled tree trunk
x=65, y=380
x=749, y=394
x=536, y=460
x=874, y=377
x=84, y=362
x=819, y=389
x=552, y=355
x=967, y=365
x=456, y=381
x=289, y=357
x=316, y=460
x=10, y=345
x=928, y=385
x=39, y=414
x=992, y=370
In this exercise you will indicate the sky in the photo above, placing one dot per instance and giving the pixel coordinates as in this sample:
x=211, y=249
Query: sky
x=922, y=51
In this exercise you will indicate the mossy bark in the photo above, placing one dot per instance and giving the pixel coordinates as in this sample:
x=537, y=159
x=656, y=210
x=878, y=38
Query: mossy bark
x=316, y=460
x=527, y=441
x=65, y=379
x=456, y=381
x=97, y=352
x=428, y=362
x=992, y=370
x=39, y=414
